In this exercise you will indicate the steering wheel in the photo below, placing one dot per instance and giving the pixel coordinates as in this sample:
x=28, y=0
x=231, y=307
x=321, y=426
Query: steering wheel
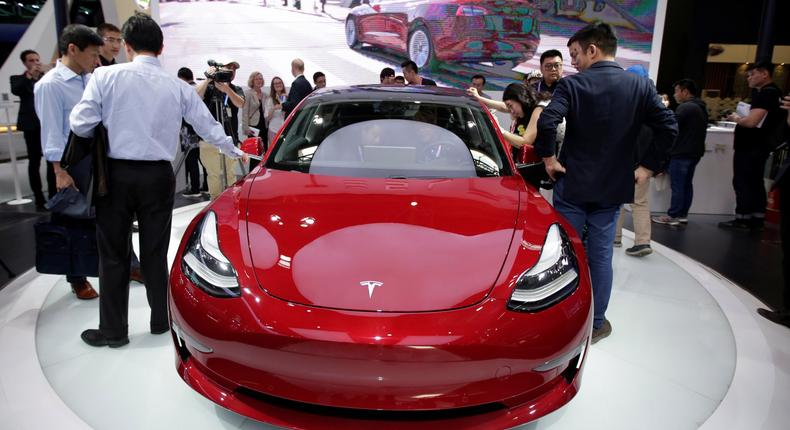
x=445, y=151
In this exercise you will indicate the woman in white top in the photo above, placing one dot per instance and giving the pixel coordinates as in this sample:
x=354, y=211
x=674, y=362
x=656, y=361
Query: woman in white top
x=273, y=109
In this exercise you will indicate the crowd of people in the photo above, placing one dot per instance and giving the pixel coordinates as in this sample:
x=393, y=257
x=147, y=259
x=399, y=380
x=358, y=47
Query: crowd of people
x=601, y=134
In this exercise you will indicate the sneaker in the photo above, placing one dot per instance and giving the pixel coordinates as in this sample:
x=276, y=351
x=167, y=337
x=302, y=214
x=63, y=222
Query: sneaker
x=192, y=194
x=617, y=244
x=639, y=250
x=683, y=220
x=736, y=224
x=665, y=219
x=601, y=332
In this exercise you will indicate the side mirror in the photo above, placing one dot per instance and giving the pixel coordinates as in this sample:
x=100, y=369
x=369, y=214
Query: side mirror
x=253, y=147
x=535, y=174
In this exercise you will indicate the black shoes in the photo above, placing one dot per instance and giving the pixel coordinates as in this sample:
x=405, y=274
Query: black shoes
x=639, y=250
x=753, y=224
x=781, y=318
x=160, y=330
x=601, y=332
x=95, y=337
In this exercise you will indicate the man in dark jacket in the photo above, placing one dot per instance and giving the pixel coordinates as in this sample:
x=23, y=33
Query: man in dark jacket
x=692, y=116
x=27, y=123
x=300, y=88
x=605, y=107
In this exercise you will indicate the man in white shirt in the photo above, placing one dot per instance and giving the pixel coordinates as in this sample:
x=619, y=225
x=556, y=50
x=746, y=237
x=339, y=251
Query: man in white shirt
x=55, y=94
x=141, y=107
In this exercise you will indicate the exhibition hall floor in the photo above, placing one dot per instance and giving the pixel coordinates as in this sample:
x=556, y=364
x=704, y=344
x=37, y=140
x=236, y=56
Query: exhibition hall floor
x=687, y=351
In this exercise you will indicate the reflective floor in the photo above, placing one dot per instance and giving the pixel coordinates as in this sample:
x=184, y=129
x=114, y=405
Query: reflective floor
x=687, y=351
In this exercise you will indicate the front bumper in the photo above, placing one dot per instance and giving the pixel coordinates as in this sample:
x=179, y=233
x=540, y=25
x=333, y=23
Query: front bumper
x=299, y=365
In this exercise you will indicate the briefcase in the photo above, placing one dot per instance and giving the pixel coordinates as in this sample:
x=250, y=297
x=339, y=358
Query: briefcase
x=67, y=248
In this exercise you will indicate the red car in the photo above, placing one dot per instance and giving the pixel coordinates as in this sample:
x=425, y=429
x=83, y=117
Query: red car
x=461, y=31
x=385, y=264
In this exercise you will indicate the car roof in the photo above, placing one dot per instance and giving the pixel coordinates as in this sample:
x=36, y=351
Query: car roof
x=432, y=94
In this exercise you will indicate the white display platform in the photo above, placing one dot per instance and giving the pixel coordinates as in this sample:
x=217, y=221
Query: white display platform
x=687, y=351
x=713, y=192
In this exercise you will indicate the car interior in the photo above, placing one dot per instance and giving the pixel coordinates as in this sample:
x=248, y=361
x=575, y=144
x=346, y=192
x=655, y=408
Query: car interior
x=390, y=139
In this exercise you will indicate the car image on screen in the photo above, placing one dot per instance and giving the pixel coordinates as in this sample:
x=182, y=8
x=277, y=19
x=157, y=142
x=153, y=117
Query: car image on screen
x=385, y=263
x=458, y=31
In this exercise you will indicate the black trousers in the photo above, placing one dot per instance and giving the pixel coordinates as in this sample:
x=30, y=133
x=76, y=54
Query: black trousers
x=52, y=187
x=144, y=189
x=193, y=166
x=33, y=144
x=748, y=170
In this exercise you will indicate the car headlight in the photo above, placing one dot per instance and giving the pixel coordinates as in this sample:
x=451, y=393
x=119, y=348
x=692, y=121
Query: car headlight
x=554, y=277
x=205, y=265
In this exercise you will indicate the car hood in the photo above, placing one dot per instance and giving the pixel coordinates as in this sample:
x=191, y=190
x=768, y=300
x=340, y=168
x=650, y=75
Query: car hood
x=379, y=244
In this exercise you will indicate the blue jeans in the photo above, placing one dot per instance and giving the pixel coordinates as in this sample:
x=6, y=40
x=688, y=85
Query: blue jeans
x=600, y=220
x=681, y=174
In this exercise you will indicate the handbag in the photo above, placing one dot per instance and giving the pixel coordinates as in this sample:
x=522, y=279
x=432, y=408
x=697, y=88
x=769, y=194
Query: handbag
x=71, y=202
x=67, y=247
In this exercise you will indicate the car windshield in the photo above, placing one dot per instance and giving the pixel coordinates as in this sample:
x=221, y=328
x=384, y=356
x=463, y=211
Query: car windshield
x=390, y=139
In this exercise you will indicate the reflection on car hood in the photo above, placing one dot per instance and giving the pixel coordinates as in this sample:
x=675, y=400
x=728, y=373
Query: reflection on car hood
x=380, y=244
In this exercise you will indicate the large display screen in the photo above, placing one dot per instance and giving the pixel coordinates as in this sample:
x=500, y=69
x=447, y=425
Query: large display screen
x=351, y=41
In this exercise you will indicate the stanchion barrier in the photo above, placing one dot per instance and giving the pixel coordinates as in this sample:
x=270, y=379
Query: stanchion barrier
x=17, y=189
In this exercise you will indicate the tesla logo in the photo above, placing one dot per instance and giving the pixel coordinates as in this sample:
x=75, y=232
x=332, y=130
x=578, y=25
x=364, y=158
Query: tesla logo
x=371, y=286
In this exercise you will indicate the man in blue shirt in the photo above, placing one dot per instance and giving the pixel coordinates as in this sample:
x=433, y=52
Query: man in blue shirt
x=141, y=106
x=605, y=108
x=55, y=94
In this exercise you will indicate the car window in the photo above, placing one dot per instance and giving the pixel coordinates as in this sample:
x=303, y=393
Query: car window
x=390, y=139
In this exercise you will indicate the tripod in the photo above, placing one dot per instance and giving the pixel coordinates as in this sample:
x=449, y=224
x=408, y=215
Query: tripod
x=216, y=98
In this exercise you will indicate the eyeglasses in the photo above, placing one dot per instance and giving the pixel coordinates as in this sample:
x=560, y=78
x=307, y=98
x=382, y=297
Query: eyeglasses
x=113, y=40
x=553, y=66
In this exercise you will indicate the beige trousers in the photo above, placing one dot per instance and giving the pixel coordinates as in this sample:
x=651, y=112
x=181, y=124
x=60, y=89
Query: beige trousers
x=212, y=160
x=640, y=210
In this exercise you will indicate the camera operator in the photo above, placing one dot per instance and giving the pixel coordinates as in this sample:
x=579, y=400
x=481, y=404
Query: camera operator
x=218, y=86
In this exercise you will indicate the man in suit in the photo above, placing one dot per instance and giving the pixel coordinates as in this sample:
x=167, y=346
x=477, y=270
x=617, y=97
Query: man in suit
x=27, y=122
x=300, y=88
x=605, y=108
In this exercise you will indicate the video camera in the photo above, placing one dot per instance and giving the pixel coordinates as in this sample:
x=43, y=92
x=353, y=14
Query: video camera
x=220, y=73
